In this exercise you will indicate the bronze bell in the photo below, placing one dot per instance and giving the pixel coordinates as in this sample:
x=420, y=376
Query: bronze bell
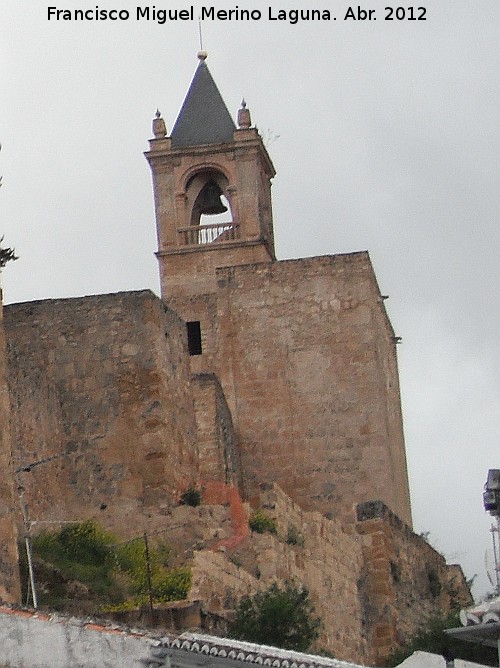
x=210, y=200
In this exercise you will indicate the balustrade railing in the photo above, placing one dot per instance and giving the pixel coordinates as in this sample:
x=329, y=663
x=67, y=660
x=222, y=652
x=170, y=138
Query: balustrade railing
x=195, y=235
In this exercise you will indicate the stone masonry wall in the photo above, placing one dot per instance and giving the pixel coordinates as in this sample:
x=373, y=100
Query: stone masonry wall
x=404, y=583
x=108, y=422
x=216, y=441
x=324, y=559
x=192, y=273
x=9, y=572
x=307, y=362
x=373, y=589
x=102, y=411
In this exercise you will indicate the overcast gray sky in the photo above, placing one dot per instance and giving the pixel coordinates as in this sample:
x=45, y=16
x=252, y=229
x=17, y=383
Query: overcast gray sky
x=385, y=136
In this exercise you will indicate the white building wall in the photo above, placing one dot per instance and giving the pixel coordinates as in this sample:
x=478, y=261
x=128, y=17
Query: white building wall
x=28, y=640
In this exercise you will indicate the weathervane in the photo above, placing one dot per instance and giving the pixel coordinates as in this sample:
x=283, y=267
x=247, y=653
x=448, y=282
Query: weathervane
x=200, y=33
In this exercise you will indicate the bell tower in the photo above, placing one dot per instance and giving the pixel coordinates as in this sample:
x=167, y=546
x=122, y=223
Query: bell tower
x=212, y=190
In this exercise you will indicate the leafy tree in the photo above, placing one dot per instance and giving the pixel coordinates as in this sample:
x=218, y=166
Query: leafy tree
x=433, y=639
x=6, y=255
x=278, y=617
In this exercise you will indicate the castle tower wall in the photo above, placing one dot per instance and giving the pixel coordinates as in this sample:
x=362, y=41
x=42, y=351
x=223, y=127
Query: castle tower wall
x=307, y=361
x=188, y=254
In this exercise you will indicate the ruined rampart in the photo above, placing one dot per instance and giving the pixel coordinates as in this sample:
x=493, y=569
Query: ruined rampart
x=102, y=411
x=404, y=583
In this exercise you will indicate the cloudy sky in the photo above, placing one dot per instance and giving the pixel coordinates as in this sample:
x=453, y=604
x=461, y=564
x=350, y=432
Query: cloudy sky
x=385, y=137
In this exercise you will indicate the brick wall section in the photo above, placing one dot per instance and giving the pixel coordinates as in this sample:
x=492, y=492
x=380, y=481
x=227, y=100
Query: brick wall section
x=308, y=365
x=216, y=440
x=9, y=572
x=101, y=407
x=404, y=581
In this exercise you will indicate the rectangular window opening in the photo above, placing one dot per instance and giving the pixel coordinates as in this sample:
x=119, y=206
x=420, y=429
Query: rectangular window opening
x=194, y=337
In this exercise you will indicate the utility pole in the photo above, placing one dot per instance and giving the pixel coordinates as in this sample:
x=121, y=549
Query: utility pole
x=148, y=575
x=27, y=540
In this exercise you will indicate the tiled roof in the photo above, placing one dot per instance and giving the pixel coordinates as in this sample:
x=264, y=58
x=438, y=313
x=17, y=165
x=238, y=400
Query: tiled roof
x=203, y=118
x=246, y=652
x=189, y=650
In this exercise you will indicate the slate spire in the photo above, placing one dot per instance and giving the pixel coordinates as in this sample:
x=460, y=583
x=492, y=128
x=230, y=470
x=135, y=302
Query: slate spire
x=203, y=118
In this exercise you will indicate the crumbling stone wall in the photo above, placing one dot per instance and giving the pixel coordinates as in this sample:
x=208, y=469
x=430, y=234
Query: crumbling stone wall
x=322, y=557
x=102, y=410
x=373, y=588
x=404, y=581
x=307, y=361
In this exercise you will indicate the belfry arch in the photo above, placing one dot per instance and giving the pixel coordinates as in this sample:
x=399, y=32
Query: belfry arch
x=203, y=191
x=209, y=208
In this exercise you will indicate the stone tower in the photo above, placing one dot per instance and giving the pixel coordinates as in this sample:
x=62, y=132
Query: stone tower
x=303, y=349
x=207, y=157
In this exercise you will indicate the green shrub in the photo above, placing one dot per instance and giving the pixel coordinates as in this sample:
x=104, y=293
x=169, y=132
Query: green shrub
x=173, y=585
x=294, y=537
x=83, y=543
x=167, y=585
x=260, y=522
x=123, y=606
x=115, y=576
x=191, y=497
x=81, y=551
x=86, y=543
x=131, y=557
x=432, y=638
x=278, y=617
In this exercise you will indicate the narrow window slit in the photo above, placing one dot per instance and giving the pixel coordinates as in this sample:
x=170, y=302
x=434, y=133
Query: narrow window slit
x=194, y=337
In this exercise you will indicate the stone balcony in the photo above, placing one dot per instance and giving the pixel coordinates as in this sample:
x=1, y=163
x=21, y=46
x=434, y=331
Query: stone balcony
x=196, y=235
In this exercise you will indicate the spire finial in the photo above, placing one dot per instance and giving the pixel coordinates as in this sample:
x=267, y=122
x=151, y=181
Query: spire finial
x=159, y=127
x=244, y=120
x=202, y=55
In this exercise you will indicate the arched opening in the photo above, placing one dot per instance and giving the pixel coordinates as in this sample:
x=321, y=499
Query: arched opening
x=209, y=209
